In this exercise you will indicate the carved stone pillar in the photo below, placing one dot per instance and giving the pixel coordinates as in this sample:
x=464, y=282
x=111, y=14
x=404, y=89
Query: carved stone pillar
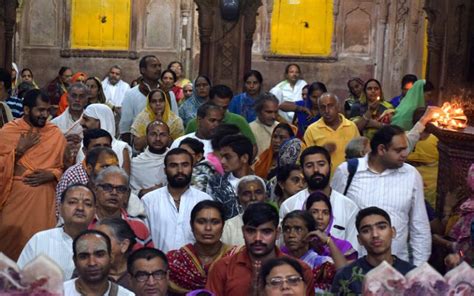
x=7, y=30
x=226, y=46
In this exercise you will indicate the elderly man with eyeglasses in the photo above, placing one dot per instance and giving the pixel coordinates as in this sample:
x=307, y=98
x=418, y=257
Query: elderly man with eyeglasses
x=148, y=268
x=111, y=187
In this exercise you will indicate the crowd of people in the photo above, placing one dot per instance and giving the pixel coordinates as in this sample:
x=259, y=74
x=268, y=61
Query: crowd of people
x=170, y=187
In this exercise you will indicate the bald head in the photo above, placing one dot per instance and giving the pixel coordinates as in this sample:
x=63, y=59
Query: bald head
x=328, y=104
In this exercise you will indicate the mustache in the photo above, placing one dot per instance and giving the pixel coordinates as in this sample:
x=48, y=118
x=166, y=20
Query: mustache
x=313, y=176
x=258, y=244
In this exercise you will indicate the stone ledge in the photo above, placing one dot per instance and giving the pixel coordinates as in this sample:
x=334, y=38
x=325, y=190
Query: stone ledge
x=277, y=57
x=89, y=53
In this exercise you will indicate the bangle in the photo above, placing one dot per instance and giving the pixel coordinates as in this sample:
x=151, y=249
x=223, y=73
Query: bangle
x=328, y=241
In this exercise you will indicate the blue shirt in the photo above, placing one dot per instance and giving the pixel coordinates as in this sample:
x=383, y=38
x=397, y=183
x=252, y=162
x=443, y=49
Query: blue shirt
x=396, y=101
x=16, y=105
x=243, y=105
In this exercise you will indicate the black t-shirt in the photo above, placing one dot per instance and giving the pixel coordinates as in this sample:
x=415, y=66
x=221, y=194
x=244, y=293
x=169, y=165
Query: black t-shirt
x=349, y=279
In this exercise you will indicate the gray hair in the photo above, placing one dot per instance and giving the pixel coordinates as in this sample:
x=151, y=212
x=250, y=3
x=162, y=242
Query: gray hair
x=115, y=67
x=355, y=148
x=329, y=94
x=111, y=170
x=248, y=179
x=78, y=85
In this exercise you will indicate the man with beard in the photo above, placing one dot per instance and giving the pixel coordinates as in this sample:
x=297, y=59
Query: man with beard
x=239, y=274
x=266, y=108
x=148, y=167
x=31, y=158
x=114, y=87
x=111, y=187
x=316, y=164
x=332, y=131
x=383, y=179
x=209, y=116
x=134, y=100
x=92, y=257
x=169, y=208
x=375, y=234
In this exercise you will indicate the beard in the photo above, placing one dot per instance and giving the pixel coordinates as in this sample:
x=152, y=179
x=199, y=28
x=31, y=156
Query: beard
x=37, y=121
x=179, y=180
x=157, y=151
x=315, y=183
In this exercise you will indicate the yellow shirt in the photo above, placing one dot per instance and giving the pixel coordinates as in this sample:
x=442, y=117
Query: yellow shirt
x=320, y=134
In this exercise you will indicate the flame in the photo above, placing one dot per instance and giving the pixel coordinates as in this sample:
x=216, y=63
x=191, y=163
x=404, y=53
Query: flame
x=451, y=117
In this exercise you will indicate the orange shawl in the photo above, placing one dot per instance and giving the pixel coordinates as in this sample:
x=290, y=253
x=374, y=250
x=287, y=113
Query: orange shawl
x=48, y=154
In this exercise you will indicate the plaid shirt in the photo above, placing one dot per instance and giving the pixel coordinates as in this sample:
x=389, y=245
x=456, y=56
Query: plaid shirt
x=75, y=174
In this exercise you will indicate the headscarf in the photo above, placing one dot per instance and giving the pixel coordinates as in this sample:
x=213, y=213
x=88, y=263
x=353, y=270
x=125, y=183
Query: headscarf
x=166, y=112
x=264, y=162
x=77, y=75
x=104, y=114
x=413, y=99
x=358, y=80
x=195, y=94
x=100, y=93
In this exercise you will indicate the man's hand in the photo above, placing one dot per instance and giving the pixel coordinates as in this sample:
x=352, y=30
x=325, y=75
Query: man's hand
x=38, y=178
x=317, y=240
x=255, y=287
x=330, y=147
x=429, y=114
x=27, y=141
x=73, y=139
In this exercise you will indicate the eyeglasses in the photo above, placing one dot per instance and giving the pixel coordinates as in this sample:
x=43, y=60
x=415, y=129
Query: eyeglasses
x=109, y=188
x=143, y=276
x=277, y=282
x=297, y=229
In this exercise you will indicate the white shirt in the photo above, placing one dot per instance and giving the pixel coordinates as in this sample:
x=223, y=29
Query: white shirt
x=66, y=124
x=284, y=92
x=400, y=193
x=54, y=243
x=147, y=170
x=232, y=233
x=70, y=289
x=170, y=228
x=344, y=212
x=133, y=103
x=115, y=93
x=207, y=143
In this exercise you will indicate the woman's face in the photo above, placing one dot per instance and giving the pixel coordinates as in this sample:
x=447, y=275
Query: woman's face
x=315, y=96
x=294, y=183
x=321, y=214
x=356, y=87
x=168, y=80
x=304, y=93
x=208, y=226
x=157, y=103
x=117, y=247
x=93, y=88
x=284, y=280
x=279, y=136
x=373, y=91
x=202, y=87
x=252, y=86
x=176, y=68
x=27, y=76
x=187, y=91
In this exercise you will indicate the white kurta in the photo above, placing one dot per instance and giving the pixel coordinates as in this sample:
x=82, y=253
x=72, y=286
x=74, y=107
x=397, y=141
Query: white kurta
x=70, y=290
x=344, y=211
x=170, y=228
x=400, y=193
x=66, y=124
x=54, y=243
x=207, y=143
x=284, y=92
x=232, y=234
x=115, y=93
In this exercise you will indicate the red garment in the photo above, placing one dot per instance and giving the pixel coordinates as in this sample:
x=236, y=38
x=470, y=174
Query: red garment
x=232, y=276
x=186, y=270
x=142, y=233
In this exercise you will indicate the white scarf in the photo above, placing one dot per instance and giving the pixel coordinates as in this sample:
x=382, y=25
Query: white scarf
x=148, y=170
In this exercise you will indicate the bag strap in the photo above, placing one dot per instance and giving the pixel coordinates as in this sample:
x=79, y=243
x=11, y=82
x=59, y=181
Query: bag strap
x=352, y=165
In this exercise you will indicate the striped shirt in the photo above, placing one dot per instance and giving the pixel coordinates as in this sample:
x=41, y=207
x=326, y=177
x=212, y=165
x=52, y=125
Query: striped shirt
x=16, y=105
x=400, y=193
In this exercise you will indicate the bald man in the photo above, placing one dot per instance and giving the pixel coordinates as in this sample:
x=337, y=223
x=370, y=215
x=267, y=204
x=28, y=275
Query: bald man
x=332, y=131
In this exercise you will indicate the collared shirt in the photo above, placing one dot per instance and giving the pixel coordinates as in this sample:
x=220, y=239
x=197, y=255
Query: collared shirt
x=142, y=233
x=66, y=123
x=344, y=212
x=232, y=276
x=170, y=226
x=284, y=92
x=207, y=143
x=320, y=134
x=115, y=93
x=262, y=133
x=400, y=193
x=70, y=289
x=54, y=243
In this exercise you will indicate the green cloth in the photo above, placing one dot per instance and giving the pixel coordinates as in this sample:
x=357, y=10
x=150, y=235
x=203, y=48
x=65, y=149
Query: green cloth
x=230, y=118
x=413, y=100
